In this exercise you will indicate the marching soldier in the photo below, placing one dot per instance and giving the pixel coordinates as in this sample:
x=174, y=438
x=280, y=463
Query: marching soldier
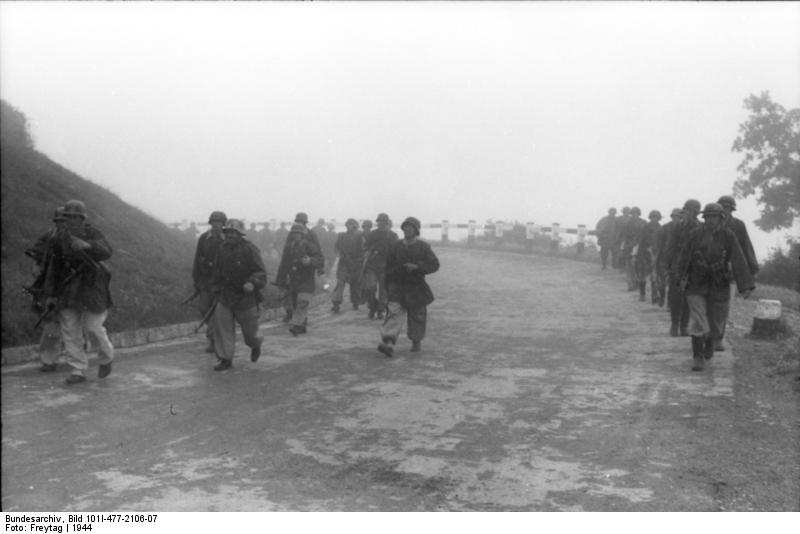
x=376, y=246
x=664, y=288
x=633, y=235
x=605, y=238
x=205, y=256
x=677, y=239
x=77, y=286
x=239, y=275
x=301, y=261
x=350, y=248
x=709, y=256
x=50, y=341
x=408, y=295
x=646, y=257
x=739, y=229
x=619, y=236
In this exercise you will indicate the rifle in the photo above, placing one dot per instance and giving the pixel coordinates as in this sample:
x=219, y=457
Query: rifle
x=43, y=316
x=207, y=316
x=191, y=297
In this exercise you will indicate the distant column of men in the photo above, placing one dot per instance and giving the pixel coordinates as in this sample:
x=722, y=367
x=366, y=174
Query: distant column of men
x=690, y=265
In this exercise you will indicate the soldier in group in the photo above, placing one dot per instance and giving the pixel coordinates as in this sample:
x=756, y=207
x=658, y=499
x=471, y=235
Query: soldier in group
x=50, y=342
x=366, y=227
x=267, y=240
x=407, y=263
x=239, y=276
x=77, y=286
x=350, y=248
x=677, y=239
x=205, y=257
x=633, y=235
x=665, y=289
x=705, y=264
x=302, y=219
x=376, y=248
x=281, y=234
x=619, y=236
x=605, y=238
x=739, y=229
x=645, y=262
x=301, y=260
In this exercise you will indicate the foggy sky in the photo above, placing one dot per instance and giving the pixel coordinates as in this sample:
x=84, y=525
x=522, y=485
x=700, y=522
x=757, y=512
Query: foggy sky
x=542, y=112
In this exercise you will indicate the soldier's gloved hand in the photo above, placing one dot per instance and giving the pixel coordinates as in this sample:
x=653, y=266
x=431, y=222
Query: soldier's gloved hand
x=248, y=287
x=79, y=244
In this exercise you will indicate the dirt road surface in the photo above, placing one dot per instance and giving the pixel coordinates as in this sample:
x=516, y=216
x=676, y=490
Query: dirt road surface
x=542, y=386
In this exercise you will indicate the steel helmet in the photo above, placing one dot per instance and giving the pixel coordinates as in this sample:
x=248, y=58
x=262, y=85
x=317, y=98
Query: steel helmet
x=626, y=210
x=366, y=224
x=75, y=207
x=713, y=209
x=692, y=205
x=612, y=211
x=351, y=222
x=58, y=215
x=727, y=201
x=217, y=216
x=413, y=222
x=234, y=225
x=655, y=214
x=636, y=211
x=676, y=212
x=301, y=218
x=382, y=217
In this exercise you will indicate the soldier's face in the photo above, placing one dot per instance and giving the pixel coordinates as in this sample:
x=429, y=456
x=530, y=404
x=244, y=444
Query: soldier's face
x=73, y=222
x=216, y=226
x=712, y=220
x=408, y=231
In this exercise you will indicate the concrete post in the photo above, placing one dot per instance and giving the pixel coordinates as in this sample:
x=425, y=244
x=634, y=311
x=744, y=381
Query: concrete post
x=581, y=239
x=767, y=320
x=445, y=232
x=555, y=236
x=530, y=235
x=471, y=234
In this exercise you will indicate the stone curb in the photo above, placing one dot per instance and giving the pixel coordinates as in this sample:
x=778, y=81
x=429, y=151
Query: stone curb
x=143, y=336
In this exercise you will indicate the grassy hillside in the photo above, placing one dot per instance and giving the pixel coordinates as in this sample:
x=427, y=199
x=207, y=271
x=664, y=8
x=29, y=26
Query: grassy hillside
x=151, y=263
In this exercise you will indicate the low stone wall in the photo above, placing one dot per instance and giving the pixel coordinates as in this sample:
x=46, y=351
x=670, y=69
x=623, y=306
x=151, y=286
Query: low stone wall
x=143, y=336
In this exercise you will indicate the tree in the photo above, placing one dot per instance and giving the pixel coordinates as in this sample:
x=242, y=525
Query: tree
x=770, y=141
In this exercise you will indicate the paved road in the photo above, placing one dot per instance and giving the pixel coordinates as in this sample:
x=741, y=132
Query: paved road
x=543, y=386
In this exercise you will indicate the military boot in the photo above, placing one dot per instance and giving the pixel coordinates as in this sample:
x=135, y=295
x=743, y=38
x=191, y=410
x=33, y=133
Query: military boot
x=288, y=317
x=673, y=330
x=416, y=346
x=698, y=344
x=708, y=348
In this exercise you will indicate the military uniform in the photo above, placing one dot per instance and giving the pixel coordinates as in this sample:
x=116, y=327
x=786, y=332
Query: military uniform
x=633, y=235
x=300, y=262
x=678, y=237
x=205, y=257
x=619, y=236
x=408, y=294
x=605, y=230
x=77, y=284
x=646, y=257
x=239, y=275
x=706, y=262
x=376, y=245
x=350, y=248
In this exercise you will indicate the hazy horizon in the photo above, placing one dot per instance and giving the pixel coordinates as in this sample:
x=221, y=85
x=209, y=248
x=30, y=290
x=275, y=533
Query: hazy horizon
x=544, y=112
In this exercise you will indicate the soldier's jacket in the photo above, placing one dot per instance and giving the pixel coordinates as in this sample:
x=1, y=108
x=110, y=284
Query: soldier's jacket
x=676, y=240
x=619, y=229
x=410, y=288
x=646, y=254
x=204, y=258
x=605, y=230
x=707, y=259
x=77, y=282
x=291, y=271
x=633, y=232
x=661, y=244
x=377, y=244
x=238, y=261
x=739, y=229
x=350, y=247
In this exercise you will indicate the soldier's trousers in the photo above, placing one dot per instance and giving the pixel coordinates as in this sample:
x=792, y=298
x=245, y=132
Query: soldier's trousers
x=204, y=302
x=351, y=278
x=374, y=290
x=301, y=302
x=396, y=316
x=707, y=313
x=678, y=306
x=225, y=320
x=604, y=251
x=50, y=342
x=73, y=325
